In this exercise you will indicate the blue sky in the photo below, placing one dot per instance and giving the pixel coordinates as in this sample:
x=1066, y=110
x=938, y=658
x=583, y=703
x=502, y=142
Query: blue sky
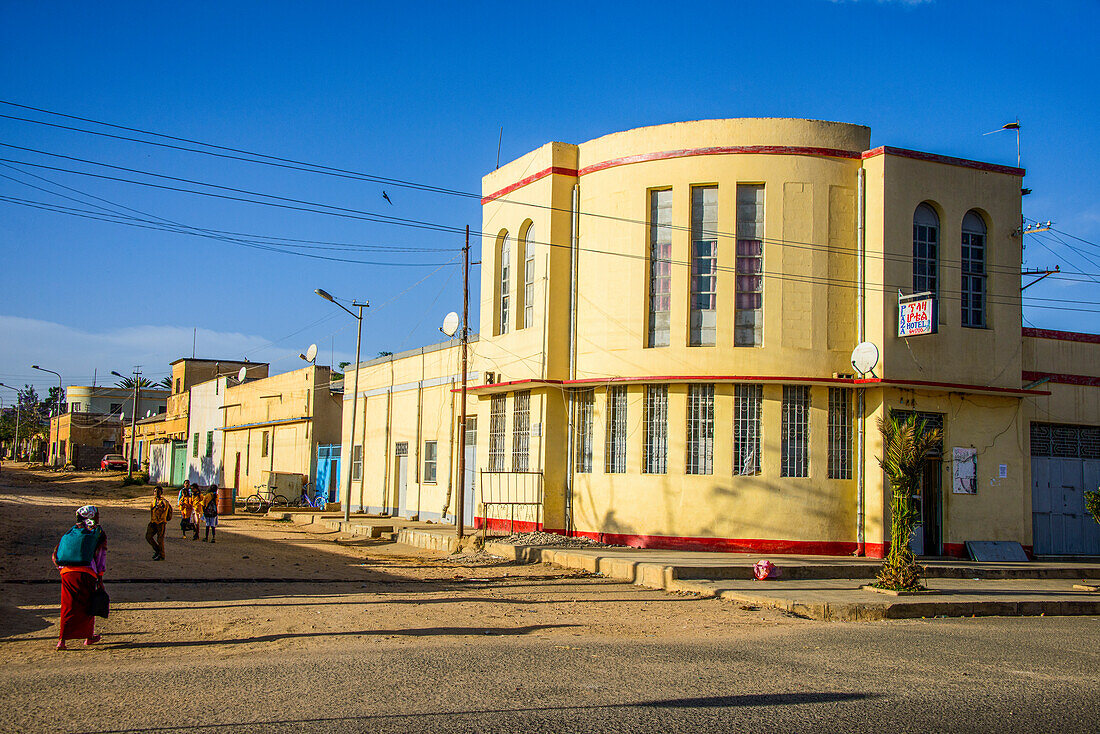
x=419, y=92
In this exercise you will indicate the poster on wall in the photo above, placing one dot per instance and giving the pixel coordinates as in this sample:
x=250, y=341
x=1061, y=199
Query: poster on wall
x=964, y=470
x=916, y=315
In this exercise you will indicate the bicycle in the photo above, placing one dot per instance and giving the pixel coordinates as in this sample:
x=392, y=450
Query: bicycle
x=265, y=497
x=317, y=502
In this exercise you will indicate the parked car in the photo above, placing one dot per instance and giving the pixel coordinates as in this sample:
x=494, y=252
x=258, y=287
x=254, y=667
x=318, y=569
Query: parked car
x=113, y=462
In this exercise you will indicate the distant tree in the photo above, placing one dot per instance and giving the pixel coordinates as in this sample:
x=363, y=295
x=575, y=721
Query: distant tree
x=343, y=365
x=164, y=383
x=128, y=382
x=385, y=354
x=56, y=398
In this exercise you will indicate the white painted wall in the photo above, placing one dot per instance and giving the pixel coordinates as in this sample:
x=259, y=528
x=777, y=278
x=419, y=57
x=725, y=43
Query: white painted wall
x=207, y=399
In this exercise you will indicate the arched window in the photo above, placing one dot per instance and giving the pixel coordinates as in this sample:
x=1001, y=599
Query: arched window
x=926, y=250
x=528, y=278
x=973, y=270
x=505, y=284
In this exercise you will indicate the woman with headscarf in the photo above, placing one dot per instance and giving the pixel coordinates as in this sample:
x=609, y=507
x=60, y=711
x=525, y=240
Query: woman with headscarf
x=81, y=557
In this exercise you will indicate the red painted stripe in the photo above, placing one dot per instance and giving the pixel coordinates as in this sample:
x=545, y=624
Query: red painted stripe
x=946, y=159
x=1068, y=336
x=720, y=150
x=553, y=170
x=520, y=526
x=1062, y=379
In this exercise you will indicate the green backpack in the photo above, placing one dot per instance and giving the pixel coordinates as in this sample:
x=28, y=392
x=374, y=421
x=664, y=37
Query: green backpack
x=77, y=547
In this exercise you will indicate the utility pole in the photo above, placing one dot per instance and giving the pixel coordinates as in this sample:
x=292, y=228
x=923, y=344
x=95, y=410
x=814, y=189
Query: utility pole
x=460, y=500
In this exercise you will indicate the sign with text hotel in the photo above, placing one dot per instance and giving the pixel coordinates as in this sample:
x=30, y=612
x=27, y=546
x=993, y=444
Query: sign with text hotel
x=916, y=314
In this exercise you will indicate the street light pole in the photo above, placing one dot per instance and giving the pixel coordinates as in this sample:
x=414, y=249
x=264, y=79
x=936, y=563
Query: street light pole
x=18, y=412
x=57, y=411
x=354, y=391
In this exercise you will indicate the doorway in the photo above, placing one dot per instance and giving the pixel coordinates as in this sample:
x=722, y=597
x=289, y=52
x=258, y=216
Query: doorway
x=400, y=476
x=927, y=538
x=468, y=482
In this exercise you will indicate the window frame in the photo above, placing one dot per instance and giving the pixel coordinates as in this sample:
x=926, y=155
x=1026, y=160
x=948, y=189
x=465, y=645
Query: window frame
x=841, y=433
x=528, y=250
x=655, y=436
x=195, y=446
x=584, y=405
x=504, y=280
x=659, y=295
x=974, y=272
x=699, y=459
x=521, y=430
x=615, y=445
x=431, y=460
x=749, y=266
x=928, y=237
x=748, y=401
x=795, y=431
x=703, y=275
x=498, y=413
x=357, y=462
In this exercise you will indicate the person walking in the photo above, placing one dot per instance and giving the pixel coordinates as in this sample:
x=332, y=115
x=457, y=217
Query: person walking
x=196, y=510
x=81, y=557
x=159, y=514
x=185, y=505
x=185, y=491
x=210, y=513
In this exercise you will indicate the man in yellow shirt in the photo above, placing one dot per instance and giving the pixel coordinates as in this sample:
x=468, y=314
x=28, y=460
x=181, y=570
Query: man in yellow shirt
x=160, y=512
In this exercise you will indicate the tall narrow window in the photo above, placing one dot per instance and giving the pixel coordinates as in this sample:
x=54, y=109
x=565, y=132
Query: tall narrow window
x=583, y=404
x=704, y=266
x=700, y=429
x=660, y=266
x=264, y=445
x=795, y=459
x=209, y=443
x=926, y=250
x=357, y=463
x=528, y=280
x=430, y=455
x=840, y=433
x=195, y=446
x=748, y=328
x=505, y=284
x=615, y=455
x=521, y=430
x=655, y=454
x=496, y=432
x=747, y=402
x=973, y=270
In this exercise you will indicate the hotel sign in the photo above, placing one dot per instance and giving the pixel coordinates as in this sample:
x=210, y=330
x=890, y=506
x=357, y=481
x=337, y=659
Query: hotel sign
x=916, y=314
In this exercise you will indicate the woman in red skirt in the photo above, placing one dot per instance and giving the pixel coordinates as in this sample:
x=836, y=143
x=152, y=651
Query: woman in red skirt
x=81, y=557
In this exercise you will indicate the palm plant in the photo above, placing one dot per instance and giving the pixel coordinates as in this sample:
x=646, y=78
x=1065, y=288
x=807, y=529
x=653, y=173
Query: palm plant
x=906, y=443
x=128, y=383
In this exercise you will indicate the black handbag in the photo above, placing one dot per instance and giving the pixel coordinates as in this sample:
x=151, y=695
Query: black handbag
x=99, y=603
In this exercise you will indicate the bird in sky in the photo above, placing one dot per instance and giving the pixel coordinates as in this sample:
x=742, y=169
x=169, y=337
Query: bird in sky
x=387, y=197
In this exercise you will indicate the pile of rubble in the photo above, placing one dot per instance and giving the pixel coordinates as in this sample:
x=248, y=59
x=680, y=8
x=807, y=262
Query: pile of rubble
x=558, y=541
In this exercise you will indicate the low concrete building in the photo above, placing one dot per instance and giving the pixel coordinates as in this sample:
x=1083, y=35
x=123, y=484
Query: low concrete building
x=83, y=439
x=117, y=401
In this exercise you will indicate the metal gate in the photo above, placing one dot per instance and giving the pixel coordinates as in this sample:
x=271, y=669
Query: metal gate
x=1065, y=461
x=179, y=463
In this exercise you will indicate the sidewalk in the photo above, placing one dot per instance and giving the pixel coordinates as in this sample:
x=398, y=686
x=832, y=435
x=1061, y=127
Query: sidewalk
x=818, y=587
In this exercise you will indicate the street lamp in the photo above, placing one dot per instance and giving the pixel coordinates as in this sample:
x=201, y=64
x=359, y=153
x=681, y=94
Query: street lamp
x=133, y=421
x=57, y=412
x=18, y=412
x=354, y=390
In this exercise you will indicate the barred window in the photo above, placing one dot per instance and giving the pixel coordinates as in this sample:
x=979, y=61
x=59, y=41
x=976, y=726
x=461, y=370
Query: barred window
x=357, y=463
x=840, y=433
x=583, y=404
x=615, y=455
x=496, y=432
x=795, y=460
x=700, y=429
x=660, y=266
x=1065, y=441
x=749, y=303
x=973, y=270
x=747, y=402
x=704, y=266
x=430, y=453
x=521, y=430
x=655, y=459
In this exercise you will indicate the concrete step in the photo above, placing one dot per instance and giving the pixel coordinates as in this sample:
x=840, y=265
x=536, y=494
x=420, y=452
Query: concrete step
x=361, y=528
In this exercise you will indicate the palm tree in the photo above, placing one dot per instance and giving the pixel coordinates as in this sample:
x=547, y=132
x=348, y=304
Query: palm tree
x=906, y=443
x=128, y=382
x=164, y=383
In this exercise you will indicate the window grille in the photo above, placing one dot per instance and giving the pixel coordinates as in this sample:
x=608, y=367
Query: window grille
x=521, y=430
x=496, y=432
x=926, y=243
x=660, y=266
x=973, y=271
x=195, y=446
x=209, y=443
x=704, y=266
x=840, y=433
x=505, y=302
x=749, y=302
x=615, y=455
x=747, y=403
x=655, y=459
x=796, y=431
x=1065, y=441
x=583, y=404
x=528, y=280
x=700, y=429
x=357, y=463
x=430, y=449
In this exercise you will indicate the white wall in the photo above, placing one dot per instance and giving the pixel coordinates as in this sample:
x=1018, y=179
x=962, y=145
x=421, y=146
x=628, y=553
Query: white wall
x=207, y=400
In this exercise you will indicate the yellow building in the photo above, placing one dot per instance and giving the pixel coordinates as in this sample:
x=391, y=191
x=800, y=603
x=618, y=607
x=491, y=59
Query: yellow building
x=275, y=424
x=668, y=322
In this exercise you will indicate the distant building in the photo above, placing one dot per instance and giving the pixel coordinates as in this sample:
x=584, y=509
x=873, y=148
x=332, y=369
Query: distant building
x=83, y=439
x=116, y=401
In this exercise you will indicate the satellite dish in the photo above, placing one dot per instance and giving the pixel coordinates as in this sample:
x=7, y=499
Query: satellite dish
x=241, y=373
x=311, y=353
x=864, y=357
x=450, y=324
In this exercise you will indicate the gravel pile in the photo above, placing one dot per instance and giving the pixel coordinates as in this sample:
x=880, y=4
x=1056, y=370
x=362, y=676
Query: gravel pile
x=558, y=541
x=474, y=558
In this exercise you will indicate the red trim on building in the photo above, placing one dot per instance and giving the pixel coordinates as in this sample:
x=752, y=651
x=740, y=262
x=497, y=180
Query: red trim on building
x=720, y=150
x=1066, y=336
x=1088, y=380
x=945, y=159
x=519, y=526
x=553, y=170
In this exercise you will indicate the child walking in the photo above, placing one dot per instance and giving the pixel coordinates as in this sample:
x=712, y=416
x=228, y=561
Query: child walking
x=210, y=513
